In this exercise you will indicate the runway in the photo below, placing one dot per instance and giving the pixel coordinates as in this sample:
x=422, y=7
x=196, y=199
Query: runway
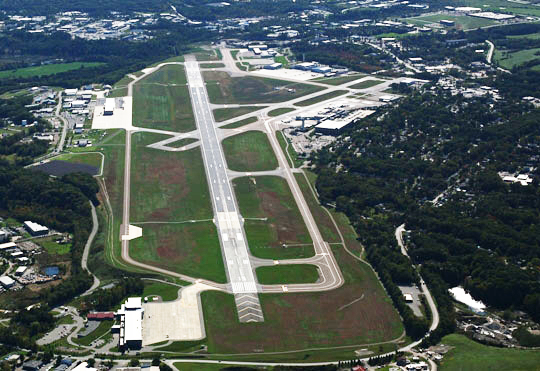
x=226, y=216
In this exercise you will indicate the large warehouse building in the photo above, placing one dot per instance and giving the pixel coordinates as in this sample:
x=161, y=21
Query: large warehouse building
x=109, y=106
x=131, y=315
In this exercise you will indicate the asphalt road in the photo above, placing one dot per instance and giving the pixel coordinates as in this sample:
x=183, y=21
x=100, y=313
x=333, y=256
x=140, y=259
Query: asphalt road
x=84, y=260
x=63, y=135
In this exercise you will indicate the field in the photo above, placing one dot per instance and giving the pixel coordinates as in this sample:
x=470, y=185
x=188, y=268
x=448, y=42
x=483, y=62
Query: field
x=54, y=248
x=270, y=197
x=103, y=328
x=224, y=89
x=507, y=6
x=287, y=274
x=470, y=355
x=292, y=157
x=183, y=195
x=249, y=151
x=321, y=98
x=510, y=60
x=165, y=291
x=211, y=65
x=208, y=55
x=339, y=80
x=46, y=70
x=307, y=320
x=280, y=111
x=165, y=107
x=222, y=114
x=92, y=159
x=366, y=84
x=240, y=123
x=461, y=22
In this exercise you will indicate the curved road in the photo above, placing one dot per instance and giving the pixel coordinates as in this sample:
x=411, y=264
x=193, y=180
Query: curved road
x=84, y=260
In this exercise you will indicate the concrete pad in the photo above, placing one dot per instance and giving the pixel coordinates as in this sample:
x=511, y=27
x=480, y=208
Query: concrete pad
x=134, y=232
x=286, y=73
x=175, y=320
x=120, y=119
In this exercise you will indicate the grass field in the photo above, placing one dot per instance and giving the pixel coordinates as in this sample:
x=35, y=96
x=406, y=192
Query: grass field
x=510, y=60
x=300, y=321
x=461, y=22
x=211, y=65
x=103, y=327
x=222, y=114
x=185, y=366
x=183, y=196
x=507, y=6
x=282, y=59
x=339, y=80
x=280, y=111
x=167, y=292
x=287, y=274
x=54, y=248
x=270, y=197
x=366, y=84
x=182, y=142
x=46, y=70
x=224, y=89
x=240, y=123
x=164, y=107
x=321, y=98
x=168, y=74
x=470, y=355
x=208, y=55
x=249, y=151
x=92, y=159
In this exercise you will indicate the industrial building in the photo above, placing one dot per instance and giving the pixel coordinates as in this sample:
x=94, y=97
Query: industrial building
x=7, y=282
x=109, y=106
x=273, y=66
x=35, y=229
x=130, y=314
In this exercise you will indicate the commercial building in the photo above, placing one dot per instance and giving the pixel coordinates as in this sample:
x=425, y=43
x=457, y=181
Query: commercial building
x=35, y=229
x=7, y=246
x=7, y=282
x=109, y=106
x=131, y=314
x=70, y=92
x=273, y=66
x=20, y=271
x=100, y=316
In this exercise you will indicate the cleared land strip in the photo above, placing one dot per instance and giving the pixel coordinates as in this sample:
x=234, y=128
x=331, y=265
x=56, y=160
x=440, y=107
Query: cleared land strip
x=231, y=233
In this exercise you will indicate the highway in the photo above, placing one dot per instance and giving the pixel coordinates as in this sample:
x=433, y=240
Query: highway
x=227, y=217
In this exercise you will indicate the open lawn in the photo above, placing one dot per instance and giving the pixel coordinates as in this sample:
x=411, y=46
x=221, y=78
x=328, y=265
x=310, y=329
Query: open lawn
x=165, y=291
x=185, y=366
x=510, y=60
x=167, y=189
x=240, y=123
x=46, y=70
x=224, y=89
x=168, y=74
x=92, y=159
x=470, y=355
x=339, y=80
x=280, y=111
x=287, y=274
x=249, y=151
x=292, y=157
x=504, y=6
x=212, y=65
x=270, y=198
x=182, y=142
x=321, y=98
x=358, y=312
x=462, y=22
x=208, y=55
x=222, y=114
x=54, y=248
x=103, y=327
x=165, y=107
x=366, y=84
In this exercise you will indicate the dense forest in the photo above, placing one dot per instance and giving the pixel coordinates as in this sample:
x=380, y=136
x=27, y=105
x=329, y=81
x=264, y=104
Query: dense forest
x=485, y=234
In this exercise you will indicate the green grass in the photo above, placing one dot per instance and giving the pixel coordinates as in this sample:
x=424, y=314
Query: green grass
x=224, y=89
x=339, y=80
x=280, y=111
x=321, y=98
x=92, y=159
x=171, y=187
x=282, y=59
x=65, y=320
x=118, y=92
x=270, y=197
x=249, y=151
x=103, y=327
x=307, y=320
x=186, y=366
x=532, y=36
x=223, y=114
x=182, y=142
x=461, y=22
x=54, y=248
x=287, y=274
x=510, y=60
x=240, y=123
x=470, y=355
x=509, y=7
x=208, y=55
x=288, y=150
x=211, y=65
x=366, y=84
x=46, y=70
x=165, y=107
x=167, y=292
x=241, y=66
x=234, y=53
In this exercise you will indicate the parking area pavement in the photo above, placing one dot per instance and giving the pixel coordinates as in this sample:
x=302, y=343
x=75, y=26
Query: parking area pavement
x=416, y=303
x=57, y=333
